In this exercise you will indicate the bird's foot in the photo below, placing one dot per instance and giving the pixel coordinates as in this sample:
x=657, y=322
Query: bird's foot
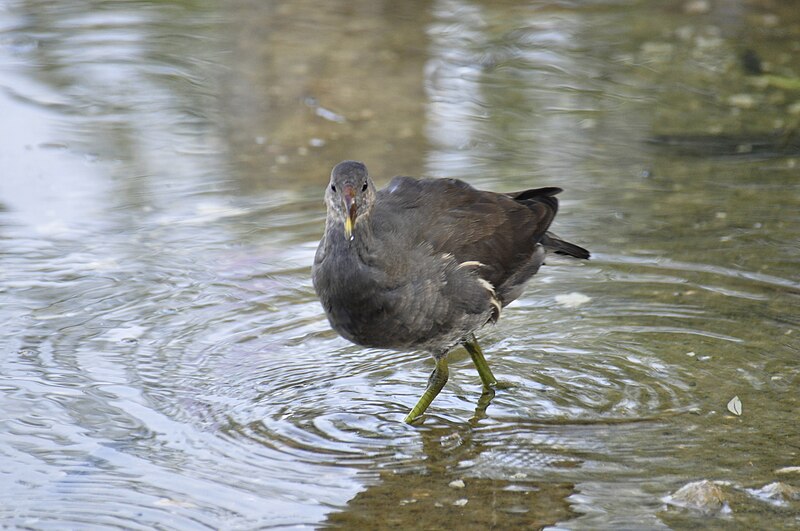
x=486, y=398
x=413, y=420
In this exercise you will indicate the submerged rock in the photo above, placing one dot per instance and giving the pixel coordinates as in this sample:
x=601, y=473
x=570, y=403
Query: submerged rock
x=572, y=300
x=457, y=484
x=742, y=101
x=697, y=7
x=705, y=496
x=777, y=492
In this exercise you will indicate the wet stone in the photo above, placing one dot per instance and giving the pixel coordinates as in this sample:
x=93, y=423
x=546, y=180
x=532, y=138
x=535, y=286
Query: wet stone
x=457, y=484
x=742, y=101
x=704, y=496
x=778, y=491
x=697, y=7
x=654, y=50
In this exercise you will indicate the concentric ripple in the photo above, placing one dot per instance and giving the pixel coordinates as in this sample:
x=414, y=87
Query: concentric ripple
x=166, y=363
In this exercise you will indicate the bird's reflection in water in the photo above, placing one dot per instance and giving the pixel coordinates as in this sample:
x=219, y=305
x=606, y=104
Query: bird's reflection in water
x=442, y=493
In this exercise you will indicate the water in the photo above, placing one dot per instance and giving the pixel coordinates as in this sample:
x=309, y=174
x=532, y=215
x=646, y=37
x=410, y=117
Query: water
x=166, y=363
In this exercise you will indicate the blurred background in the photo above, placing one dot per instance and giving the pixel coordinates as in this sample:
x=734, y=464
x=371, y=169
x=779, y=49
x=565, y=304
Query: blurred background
x=164, y=361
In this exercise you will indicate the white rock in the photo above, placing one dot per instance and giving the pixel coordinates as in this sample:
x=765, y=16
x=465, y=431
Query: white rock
x=572, y=300
x=456, y=484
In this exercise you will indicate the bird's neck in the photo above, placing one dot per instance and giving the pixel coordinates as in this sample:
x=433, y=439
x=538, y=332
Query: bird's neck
x=360, y=242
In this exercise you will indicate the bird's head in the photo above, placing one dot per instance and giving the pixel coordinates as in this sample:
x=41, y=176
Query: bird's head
x=350, y=194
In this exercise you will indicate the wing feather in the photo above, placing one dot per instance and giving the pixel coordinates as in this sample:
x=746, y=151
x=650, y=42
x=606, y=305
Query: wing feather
x=501, y=231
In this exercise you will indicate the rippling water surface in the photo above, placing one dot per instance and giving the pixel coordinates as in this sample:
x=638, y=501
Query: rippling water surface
x=165, y=361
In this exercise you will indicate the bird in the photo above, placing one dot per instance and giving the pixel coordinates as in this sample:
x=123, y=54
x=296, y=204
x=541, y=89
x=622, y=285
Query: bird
x=423, y=264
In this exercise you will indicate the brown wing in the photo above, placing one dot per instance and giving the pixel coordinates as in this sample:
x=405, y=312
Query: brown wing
x=500, y=231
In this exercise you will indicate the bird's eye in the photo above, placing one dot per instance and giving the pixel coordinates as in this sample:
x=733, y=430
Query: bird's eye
x=364, y=188
x=333, y=187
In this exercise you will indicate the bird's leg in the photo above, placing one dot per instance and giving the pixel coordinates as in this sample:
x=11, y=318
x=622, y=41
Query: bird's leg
x=436, y=381
x=476, y=354
x=488, y=379
x=490, y=383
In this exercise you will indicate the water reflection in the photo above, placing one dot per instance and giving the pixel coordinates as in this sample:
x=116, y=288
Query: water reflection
x=511, y=101
x=167, y=362
x=435, y=494
x=309, y=84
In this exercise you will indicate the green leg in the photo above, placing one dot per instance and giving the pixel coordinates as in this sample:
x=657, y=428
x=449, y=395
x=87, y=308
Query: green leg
x=490, y=383
x=484, y=371
x=435, y=383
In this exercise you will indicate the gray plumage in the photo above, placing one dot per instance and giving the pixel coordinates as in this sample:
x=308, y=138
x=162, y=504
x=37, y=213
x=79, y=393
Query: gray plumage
x=425, y=263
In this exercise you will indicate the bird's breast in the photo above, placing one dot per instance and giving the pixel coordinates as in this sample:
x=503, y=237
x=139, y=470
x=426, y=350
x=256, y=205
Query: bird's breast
x=413, y=300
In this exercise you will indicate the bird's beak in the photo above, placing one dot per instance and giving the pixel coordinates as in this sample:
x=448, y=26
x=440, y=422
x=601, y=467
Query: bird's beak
x=349, y=194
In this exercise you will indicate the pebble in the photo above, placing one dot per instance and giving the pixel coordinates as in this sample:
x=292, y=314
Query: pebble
x=697, y=7
x=742, y=101
x=657, y=48
x=684, y=33
x=770, y=20
x=572, y=300
x=456, y=484
x=329, y=115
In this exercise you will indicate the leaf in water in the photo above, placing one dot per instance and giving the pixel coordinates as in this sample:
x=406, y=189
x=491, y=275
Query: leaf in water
x=735, y=406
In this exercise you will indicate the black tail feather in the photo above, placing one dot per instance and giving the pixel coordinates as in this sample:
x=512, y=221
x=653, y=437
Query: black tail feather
x=550, y=241
x=558, y=246
x=538, y=195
